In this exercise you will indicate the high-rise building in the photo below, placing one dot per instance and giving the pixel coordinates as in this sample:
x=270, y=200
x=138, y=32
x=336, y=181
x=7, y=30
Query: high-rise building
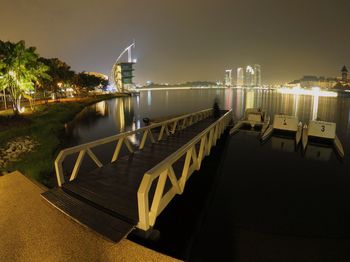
x=240, y=76
x=344, y=74
x=124, y=75
x=249, y=76
x=257, y=75
x=228, y=77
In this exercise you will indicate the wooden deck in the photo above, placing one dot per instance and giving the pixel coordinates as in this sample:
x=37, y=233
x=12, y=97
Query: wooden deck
x=105, y=199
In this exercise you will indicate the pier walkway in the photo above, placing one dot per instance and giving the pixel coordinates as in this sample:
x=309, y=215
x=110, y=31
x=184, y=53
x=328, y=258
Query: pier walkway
x=131, y=191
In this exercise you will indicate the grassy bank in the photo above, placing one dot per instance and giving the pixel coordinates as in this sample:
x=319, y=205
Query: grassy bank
x=45, y=126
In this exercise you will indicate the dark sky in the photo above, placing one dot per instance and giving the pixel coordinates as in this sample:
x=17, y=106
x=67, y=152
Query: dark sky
x=178, y=40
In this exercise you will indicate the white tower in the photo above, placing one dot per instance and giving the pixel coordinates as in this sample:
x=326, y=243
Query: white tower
x=228, y=77
x=257, y=75
x=249, y=76
x=122, y=72
x=240, y=76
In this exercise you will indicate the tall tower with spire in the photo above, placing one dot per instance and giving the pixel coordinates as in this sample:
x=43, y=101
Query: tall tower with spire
x=344, y=74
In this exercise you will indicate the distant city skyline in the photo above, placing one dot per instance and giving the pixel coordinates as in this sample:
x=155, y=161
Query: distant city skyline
x=249, y=75
x=175, y=44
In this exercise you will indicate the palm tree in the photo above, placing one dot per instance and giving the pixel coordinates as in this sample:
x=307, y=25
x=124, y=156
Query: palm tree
x=20, y=70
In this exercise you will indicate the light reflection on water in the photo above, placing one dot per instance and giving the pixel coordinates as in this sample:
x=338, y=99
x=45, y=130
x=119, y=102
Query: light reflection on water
x=123, y=114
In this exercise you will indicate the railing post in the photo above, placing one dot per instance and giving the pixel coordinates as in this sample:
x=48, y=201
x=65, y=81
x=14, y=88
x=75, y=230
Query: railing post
x=143, y=202
x=161, y=133
x=127, y=143
x=59, y=170
x=94, y=158
x=143, y=140
x=201, y=151
x=158, y=196
x=185, y=170
x=117, y=149
x=77, y=165
x=210, y=141
x=174, y=127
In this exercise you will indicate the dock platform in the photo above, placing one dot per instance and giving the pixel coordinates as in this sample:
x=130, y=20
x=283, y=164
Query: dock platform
x=131, y=191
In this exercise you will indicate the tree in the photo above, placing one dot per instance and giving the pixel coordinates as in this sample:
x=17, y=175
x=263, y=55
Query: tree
x=20, y=70
x=87, y=82
x=60, y=74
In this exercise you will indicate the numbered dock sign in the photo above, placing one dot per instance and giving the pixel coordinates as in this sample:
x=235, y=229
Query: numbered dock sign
x=322, y=129
x=284, y=122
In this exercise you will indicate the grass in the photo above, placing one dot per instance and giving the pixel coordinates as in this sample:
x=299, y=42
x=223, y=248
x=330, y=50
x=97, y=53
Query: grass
x=46, y=126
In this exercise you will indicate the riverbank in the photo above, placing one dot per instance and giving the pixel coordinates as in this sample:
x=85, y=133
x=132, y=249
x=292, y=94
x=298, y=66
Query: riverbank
x=30, y=142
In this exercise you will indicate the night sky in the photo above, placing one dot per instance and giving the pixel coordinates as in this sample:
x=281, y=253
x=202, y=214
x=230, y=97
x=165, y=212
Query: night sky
x=187, y=40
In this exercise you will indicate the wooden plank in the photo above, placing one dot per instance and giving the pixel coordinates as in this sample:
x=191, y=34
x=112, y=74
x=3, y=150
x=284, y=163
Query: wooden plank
x=112, y=189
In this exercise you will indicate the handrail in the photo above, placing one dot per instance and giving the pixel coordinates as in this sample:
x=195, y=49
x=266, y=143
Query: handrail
x=168, y=126
x=164, y=170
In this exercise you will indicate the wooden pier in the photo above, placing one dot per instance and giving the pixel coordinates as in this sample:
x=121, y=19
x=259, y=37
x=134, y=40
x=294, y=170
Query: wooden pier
x=131, y=191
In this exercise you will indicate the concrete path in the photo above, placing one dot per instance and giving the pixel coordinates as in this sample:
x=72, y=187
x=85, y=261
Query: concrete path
x=31, y=230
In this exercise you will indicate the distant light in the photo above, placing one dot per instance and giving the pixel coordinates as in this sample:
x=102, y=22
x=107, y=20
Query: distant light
x=135, y=60
x=250, y=69
x=315, y=91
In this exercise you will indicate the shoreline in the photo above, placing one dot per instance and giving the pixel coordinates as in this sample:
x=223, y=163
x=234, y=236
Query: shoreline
x=45, y=126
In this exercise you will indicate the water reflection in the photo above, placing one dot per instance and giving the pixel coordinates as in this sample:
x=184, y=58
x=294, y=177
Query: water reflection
x=305, y=107
x=319, y=153
x=117, y=115
x=133, y=138
x=314, y=107
x=295, y=105
x=90, y=114
x=282, y=144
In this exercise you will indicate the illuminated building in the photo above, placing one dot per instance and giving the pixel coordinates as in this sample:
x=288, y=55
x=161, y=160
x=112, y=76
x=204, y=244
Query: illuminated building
x=344, y=74
x=257, y=75
x=122, y=72
x=249, y=76
x=124, y=75
x=228, y=77
x=240, y=76
x=323, y=82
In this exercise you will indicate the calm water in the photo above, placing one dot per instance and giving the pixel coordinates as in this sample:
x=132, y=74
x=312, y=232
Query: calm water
x=261, y=192
x=116, y=115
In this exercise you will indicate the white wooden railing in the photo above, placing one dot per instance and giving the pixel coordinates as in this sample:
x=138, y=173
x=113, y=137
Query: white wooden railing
x=164, y=171
x=168, y=127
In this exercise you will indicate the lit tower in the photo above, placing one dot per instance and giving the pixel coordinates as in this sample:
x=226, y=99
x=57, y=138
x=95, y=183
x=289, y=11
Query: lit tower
x=249, y=76
x=122, y=72
x=228, y=77
x=344, y=74
x=240, y=76
x=257, y=75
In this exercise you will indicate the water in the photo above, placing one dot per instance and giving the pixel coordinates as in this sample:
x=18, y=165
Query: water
x=121, y=114
x=263, y=195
